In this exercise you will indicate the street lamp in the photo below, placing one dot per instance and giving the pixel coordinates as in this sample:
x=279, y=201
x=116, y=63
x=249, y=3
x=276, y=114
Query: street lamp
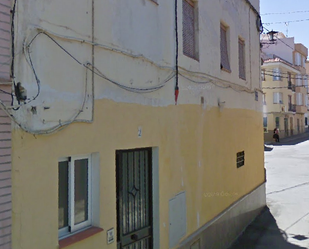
x=271, y=35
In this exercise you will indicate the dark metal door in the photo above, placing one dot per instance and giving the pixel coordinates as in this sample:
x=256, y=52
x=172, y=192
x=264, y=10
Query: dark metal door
x=286, y=127
x=134, y=199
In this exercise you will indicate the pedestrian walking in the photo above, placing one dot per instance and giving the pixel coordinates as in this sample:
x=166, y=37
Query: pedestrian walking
x=276, y=135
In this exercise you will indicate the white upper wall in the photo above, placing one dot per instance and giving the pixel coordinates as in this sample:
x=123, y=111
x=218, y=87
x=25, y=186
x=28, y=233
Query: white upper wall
x=143, y=33
x=282, y=47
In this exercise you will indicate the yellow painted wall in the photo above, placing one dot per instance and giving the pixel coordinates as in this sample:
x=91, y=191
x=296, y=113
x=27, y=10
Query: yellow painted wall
x=185, y=136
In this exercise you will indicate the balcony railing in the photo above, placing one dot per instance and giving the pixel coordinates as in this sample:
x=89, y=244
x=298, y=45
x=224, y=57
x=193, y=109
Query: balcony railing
x=291, y=86
x=292, y=108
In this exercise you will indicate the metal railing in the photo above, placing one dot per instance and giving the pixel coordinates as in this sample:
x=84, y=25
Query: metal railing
x=292, y=107
x=291, y=86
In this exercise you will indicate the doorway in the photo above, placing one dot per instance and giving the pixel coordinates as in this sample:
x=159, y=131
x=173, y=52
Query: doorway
x=286, y=126
x=134, y=199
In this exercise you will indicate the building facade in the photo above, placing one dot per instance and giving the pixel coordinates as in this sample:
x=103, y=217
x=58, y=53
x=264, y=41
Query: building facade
x=142, y=124
x=285, y=85
x=5, y=125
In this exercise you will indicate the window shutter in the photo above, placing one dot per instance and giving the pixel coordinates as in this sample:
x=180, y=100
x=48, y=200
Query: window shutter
x=280, y=98
x=223, y=47
x=5, y=41
x=276, y=74
x=241, y=59
x=276, y=98
x=263, y=75
x=299, y=99
x=298, y=80
x=188, y=34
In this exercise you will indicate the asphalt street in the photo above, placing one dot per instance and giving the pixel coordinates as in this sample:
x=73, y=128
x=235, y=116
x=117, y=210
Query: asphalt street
x=284, y=223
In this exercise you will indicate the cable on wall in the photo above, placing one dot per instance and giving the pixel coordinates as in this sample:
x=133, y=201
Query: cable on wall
x=184, y=70
x=176, y=55
x=97, y=72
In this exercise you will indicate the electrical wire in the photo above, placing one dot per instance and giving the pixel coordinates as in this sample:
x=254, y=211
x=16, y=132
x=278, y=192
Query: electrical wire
x=285, y=13
x=104, y=46
x=97, y=72
x=281, y=39
x=184, y=70
x=285, y=77
x=281, y=22
x=176, y=52
x=53, y=129
x=284, y=87
x=130, y=89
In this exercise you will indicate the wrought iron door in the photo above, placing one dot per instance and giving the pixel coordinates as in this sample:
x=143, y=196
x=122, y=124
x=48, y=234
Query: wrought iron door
x=134, y=199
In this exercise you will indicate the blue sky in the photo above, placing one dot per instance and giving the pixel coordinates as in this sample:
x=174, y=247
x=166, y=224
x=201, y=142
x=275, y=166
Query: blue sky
x=298, y=30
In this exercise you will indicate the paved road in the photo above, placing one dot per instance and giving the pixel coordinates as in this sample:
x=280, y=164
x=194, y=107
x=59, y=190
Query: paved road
x=284, y=224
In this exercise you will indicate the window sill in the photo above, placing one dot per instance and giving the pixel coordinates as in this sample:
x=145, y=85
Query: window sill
x=191, y=57
x=79, y=237
x=155, y=2
x=226, y=70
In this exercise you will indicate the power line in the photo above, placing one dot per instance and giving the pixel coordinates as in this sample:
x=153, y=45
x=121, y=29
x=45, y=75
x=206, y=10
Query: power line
x=285, y=13
x=281, y=39
x=283, y=87
x=281, y=22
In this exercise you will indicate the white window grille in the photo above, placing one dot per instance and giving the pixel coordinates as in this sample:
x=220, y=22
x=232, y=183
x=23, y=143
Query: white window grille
x=299, y=99
x=278, y=98
x=276, y=74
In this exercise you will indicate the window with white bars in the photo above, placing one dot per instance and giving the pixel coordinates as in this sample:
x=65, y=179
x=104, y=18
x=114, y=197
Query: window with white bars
x=276, y=74
x=78, y=193
x=299, y=99
x=225, y=63
x=241, y=59
x=74, y=207
x=297, y=59
x=298, y=80
x=305, y=78
x=278, y=98
x=189, y=26
x=263, y=75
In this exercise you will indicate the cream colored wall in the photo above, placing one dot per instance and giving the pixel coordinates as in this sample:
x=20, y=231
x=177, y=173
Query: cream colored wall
x=199, y=159
x=278, y=86
x=197, y=142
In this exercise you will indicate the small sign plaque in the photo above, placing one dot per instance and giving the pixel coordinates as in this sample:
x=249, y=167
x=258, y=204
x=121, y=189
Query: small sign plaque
x=110, y=236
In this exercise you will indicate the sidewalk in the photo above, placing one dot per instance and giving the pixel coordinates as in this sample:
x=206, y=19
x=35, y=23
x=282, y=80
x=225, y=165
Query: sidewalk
x=292, y=140
x=284, y=223
x=264, y=233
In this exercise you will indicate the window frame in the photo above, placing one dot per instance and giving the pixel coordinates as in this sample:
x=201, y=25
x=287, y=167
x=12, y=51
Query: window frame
x=277, y=74
x=265, y=122
x=299, y=99
x=240, y=159
x=263, y=77
x=299, y=80
x=242, y=45
x=225, y=29
x=73, y=228
x=195, y=35
x=279, y=98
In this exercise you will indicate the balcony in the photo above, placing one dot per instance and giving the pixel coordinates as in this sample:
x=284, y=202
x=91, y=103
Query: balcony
x=291, y=86
x=301, y=109
x=292, y=108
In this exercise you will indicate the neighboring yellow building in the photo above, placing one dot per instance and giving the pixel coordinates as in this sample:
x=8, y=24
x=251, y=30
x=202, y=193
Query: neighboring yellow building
x=284, y=82
x=103, y=157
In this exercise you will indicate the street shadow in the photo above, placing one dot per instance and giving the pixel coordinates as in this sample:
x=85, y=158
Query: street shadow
x=293, y=140
x=267, y=148
x=263, y=233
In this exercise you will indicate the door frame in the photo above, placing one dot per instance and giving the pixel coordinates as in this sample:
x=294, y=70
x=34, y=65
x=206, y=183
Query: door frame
x=155, y=195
